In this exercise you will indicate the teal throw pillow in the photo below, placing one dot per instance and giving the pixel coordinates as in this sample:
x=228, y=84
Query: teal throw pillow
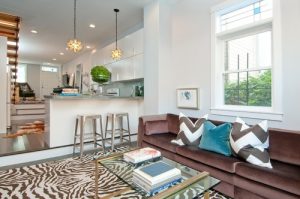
x=216, y=138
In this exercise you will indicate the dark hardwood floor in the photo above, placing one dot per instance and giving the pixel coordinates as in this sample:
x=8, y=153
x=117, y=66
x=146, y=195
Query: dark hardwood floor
x=21, y=144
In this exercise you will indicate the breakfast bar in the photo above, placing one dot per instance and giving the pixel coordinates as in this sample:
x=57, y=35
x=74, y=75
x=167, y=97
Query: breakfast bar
x=62, y=111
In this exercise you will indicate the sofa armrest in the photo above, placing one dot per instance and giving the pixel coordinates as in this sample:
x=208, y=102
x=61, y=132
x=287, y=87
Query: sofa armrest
x=155, y=124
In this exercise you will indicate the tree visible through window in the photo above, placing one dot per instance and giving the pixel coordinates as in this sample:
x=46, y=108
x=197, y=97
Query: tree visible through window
x=247, y=75
x=254, y=91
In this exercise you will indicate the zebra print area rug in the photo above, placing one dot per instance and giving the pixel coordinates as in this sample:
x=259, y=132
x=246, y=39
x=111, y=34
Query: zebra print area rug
x=64, y=179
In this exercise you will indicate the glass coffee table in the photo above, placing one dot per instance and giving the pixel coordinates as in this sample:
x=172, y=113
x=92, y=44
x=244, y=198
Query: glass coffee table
x=194, y=182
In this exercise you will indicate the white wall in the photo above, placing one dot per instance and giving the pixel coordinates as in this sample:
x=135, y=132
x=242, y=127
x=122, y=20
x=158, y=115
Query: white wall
x=151, y=57
x=33, y=78
x=186, y=42
x=291, y=63
x=190, y=60
x=3, y=84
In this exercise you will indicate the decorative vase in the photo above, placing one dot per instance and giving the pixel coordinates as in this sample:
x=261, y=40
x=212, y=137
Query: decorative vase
x=100, y=74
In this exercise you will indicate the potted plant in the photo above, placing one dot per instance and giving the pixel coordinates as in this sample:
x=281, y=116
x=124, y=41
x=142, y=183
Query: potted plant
x=100, y=74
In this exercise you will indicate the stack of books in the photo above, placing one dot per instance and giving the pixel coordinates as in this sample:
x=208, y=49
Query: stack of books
x=141, y=155
x=69, y=92
x=156, y=177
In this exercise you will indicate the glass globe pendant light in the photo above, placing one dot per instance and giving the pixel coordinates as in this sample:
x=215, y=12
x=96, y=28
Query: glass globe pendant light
x=74, y=44
x=116, y=53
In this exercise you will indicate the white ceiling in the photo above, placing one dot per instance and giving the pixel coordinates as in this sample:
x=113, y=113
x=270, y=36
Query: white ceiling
x=53, y=19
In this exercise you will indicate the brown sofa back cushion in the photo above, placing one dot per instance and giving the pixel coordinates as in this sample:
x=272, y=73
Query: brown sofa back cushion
x=156, y=127
x=285, y=146
x=173, y=121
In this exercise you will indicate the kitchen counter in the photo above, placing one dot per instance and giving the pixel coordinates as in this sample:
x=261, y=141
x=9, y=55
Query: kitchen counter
x=61, y=112
x=100, y=97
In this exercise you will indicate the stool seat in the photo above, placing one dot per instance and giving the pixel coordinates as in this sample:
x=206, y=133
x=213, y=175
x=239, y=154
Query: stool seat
x=88, y=116
x=117, y=118
x=82, y=136
x=118, y=114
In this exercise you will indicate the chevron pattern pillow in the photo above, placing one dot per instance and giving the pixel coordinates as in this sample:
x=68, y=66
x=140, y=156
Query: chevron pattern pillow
x=189, y=132
x=250, y=143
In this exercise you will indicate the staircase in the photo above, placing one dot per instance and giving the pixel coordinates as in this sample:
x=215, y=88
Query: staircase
x=9, y=27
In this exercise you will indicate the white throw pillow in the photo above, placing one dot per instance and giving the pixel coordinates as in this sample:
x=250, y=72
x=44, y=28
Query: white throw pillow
x=189, y=133
x=250, y=143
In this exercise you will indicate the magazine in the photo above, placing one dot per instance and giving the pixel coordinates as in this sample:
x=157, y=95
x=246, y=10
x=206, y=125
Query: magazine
x=141, y=155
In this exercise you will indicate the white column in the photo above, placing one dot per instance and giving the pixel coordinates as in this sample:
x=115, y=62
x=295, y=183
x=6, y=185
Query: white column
x=3, y=84
x=157, y=47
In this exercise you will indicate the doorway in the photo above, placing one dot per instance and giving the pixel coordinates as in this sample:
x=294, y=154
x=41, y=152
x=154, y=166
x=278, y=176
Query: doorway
x=49, y=79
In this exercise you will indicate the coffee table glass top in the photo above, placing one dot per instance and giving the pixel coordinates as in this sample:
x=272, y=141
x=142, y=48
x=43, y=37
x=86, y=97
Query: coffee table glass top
x=194, y=182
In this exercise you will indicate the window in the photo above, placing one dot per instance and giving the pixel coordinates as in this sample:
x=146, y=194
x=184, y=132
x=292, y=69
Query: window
x=49, y=69
x=244, y=61
x=22, y=74
x=247, y=74
x=245, y=14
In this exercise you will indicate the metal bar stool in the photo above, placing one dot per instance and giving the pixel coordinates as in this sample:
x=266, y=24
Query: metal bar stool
x=81, y=122
x=117, y=117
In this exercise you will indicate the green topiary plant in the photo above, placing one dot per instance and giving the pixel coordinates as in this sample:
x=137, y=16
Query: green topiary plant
x=100, y=74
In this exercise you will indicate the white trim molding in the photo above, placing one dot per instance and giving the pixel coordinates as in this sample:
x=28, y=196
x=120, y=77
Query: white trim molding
x=265, y=115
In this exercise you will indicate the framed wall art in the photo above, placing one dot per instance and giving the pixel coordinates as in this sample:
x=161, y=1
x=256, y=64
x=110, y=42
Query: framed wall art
x=187, y=98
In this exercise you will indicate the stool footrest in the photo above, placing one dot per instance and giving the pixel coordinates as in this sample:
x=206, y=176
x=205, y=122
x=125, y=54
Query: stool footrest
x=90, y=134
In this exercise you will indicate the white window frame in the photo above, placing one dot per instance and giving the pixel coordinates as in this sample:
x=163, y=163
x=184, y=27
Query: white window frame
x=43, y=69
x=217, y=59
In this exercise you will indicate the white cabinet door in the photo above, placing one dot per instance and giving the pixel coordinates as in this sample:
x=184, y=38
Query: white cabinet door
x=122, y=70
x=138, y=66
x=128, y=68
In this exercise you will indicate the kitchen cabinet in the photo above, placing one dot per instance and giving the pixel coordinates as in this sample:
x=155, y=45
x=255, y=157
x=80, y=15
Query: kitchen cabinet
x=127, y=68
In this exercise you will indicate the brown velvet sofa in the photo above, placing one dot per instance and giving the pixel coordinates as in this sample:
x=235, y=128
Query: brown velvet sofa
x=239, y=179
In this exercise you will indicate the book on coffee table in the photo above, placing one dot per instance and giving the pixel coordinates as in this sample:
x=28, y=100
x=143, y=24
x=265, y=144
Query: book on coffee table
x=152, y=190
x=141, y=155
x=156, y=177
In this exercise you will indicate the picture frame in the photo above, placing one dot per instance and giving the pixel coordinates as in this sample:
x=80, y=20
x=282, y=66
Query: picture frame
x=187, y=98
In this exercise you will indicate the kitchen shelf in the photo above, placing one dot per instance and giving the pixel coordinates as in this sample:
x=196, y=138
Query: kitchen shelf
x=127, y=80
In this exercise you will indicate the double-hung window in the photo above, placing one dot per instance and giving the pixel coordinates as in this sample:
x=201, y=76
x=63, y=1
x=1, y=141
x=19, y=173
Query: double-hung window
x=243, y=60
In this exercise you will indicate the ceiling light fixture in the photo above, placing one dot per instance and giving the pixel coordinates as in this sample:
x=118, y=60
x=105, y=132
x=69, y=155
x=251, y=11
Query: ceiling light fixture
x=88, y=47
x=74, y=44
x=61, y=53
x=54, y=59
x=116, y=53
x=92, y=26
x=34, y=31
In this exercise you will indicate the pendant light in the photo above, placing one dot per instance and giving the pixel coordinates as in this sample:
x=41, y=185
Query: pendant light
x=116, y=53
x=74, y=44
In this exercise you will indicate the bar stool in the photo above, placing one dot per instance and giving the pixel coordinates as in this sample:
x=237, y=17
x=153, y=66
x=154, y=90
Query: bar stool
x=81, y=122
x=117, y=117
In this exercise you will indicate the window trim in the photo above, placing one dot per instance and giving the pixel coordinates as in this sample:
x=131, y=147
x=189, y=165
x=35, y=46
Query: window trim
x=217, y=59
x=49, y=67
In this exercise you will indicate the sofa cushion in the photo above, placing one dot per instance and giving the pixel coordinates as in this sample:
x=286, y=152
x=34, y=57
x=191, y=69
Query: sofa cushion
x=216, y=138
x=250, y=143
x=156, y=127
x=190, y=132
x=209, y=158
x=282, y=176
x=162, y=140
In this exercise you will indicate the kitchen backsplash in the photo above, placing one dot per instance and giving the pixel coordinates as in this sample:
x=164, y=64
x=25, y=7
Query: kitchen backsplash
x=126, y=88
